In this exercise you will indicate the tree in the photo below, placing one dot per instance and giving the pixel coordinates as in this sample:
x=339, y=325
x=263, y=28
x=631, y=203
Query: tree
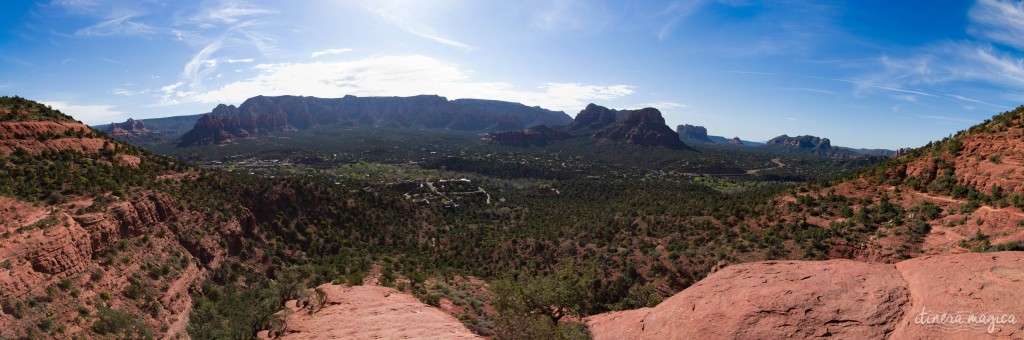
x=563, y=292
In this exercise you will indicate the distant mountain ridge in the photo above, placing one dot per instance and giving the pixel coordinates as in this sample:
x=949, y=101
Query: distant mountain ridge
x=149, y=130
x=785, y=144
x=262, y=114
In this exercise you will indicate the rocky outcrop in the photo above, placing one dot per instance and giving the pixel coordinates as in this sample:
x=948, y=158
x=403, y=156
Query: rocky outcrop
x=42, y=136
x=262, y=115
x=693, y=133
x=736, y=141
x=838, y=298
x=645, y=127
x=130, y=125
x=365, y=312
x=595, y=117
x=800, y=142
x=43, y=246
x=538, y=135
x=808, y=145
x=132, y=130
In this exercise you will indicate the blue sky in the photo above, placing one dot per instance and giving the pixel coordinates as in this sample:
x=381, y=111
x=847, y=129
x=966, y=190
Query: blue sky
x=867, y=73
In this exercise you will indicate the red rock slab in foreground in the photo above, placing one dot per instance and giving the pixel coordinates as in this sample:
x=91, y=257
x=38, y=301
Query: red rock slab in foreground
x=767, y=300
x=371, y=312
x=981, y=295
x=837, y=298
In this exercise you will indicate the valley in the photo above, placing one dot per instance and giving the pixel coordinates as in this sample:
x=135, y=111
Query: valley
x=212, y=240
x=511, y=170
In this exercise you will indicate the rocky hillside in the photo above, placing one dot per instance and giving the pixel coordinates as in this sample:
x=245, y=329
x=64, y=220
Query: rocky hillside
x=839, y=298
x=964, y=193
x=644, y=127
x=693, y=133
x=261, y=115
x=942, y=213
x=89, y=246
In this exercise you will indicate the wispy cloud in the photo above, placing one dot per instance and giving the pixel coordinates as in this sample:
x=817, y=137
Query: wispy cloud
x=572, y=15
x=972, y=100
x=994, y=66
x=753, y=72
x=330, y=51
x=808, y=89
x=999, y=21
x=389, y=76
x=948, y=119
x=894, y=89
x=674, y=13
x=229, y=13
x=664, y=105
x=408, y=15
x=235, y=61
x=201, y=66
x=122, y=92
x=122, y=25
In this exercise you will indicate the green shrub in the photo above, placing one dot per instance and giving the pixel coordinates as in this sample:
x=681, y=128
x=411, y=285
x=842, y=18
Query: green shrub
x=115, y=322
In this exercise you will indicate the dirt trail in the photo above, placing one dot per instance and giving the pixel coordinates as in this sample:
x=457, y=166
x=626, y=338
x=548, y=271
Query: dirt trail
x=986, y=208
x=778, y=165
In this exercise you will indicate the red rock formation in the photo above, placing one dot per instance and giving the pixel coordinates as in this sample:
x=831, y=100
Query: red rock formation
x=37, y=137
x=645, y=127
x=43, y=246
x=838, y=298
x=133, y=130
x=366, y=312
x=693, y=132
x=595, y=117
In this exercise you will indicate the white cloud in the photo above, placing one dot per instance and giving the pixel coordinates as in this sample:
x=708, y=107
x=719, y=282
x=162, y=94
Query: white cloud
x=126, y=92
x=330, y=52
x=234, y=61
x=90, y=114
x=390, y=76
x=200, y=66
x=999, y=21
